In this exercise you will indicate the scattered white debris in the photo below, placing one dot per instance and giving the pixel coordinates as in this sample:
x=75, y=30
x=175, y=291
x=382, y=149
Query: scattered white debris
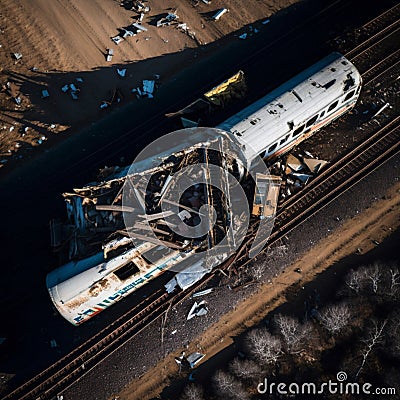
x=17, y=56
x=18, y=100
x=127, y=33
x=174, y=331
x=267, y=21
x=198, y=310
x=219, y=14
x=117, y=39
x=53, y=126
x=139, y=27
x=183, y=26
x=148, y=88
x=103, y=105
x=380, y=110
x=110, y=53
x=243, y=36
x=121, y=72
x=202, y=292
x=12, y=128
x=194, y=359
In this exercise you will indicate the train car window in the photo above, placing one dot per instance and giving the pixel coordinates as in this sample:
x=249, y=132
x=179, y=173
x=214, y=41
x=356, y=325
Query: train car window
x=126, y=271
x=272, y=148
x=311, y=121
x=333, y=105
x=298, y=130
x=285, y=139
x=322, y=114
x=349, y=96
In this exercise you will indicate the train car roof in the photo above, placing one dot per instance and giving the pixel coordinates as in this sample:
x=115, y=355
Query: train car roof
x=269, y=118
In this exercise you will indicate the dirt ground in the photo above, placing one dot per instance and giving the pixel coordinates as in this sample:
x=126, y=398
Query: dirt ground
x=65, y=42
x=356, y=235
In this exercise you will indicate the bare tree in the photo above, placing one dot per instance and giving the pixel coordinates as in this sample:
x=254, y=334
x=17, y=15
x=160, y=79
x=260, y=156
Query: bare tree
x=335, y=317
x=245, y=369
x=193, y=392
x=374, y=275
x=263, y=346
x=374, y=337
x=228, y=387
x=293, y=333
x=356, y=279
x=394, y=288
x=393, y=333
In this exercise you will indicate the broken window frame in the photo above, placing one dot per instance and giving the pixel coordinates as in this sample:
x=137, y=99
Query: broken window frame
x=272, y=147
x=348, y=96
x=333, y=106
x=130, y=267
x=298, y=130
x=311, y=121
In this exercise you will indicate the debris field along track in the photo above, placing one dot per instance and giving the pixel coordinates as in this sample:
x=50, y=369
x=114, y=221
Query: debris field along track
x=363, y=159
x=339, y=177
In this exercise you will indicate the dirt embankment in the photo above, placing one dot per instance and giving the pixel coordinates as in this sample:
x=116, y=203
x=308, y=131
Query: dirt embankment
x=64, y=42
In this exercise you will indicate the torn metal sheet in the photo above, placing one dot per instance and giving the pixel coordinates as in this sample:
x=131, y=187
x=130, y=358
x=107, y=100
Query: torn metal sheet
x=148, y=87
x=202, y=293
x=117, y=39
x=303, y=178
x=187, y=123
x=110, y=54
x=194, y=358
x=293, y=163
x=235, y=86
x=139, y=27
x=121, y=72
x=314, y=165
x=219, y=14
x=197, y=310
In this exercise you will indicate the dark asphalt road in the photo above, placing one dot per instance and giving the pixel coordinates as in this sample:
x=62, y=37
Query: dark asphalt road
x=30, y=194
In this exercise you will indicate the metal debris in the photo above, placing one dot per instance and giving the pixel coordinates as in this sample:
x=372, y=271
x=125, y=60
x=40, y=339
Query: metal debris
x=117, y=39
x=121, y=72
x=219, y=14
x=194, y=358
x=198, y=310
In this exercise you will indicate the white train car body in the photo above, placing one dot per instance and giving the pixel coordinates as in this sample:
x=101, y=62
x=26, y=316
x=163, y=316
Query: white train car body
x=269, y=127
x=80, y=290
x=295, y=110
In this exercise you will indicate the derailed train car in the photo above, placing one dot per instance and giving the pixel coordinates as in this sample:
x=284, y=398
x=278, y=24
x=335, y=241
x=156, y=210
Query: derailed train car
x=268, y=128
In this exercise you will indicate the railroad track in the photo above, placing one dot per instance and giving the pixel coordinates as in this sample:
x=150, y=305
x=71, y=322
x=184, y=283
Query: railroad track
x=334, y=181
x=379, y=36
